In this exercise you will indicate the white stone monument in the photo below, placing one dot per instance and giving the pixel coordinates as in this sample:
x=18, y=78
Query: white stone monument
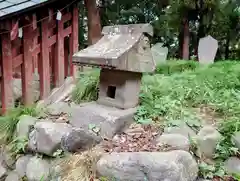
x=159, y=53
x=207, y=49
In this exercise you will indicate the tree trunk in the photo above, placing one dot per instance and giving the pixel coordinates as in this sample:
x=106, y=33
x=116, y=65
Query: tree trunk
x=94, y=22
x=227, y=46
x=186, y=39
x=201, y=29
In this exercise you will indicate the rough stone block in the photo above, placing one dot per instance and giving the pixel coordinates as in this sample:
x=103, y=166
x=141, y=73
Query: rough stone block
x=134, y=166
x=46, y=137
x=103, y=121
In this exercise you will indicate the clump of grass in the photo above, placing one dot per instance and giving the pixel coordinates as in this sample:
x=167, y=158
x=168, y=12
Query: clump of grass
x=173, y=66
x=9, y=122
x=87, y=87
x=81, y=166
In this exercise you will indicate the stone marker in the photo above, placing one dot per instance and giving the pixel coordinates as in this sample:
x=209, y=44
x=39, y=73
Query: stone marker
x=159, y=53
x=175, y=165
x=207, y=49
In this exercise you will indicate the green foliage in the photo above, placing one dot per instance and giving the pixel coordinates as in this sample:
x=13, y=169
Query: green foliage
x=86, y=88
x=206, y=17
x=171, y=95
x=17, y=146
x=8, y=122
x=176, y=67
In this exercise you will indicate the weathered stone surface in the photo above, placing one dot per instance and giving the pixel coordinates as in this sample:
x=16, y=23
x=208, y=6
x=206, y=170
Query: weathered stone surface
x=58, y=108
x=182, y=129
x=159, y=53
x=3, y=170
x=37, y=169
x=12, y=176
x=207, y=140
x=207, y=49
x=46, y=137
x=24, y=125
x=7, y=159
x=236, y=139
x=17, y=88
x=232, y=165
x=173, y=141
x=126, y=89
x=101, y=120
x=168, y=166
x=21, y=165
x=123, y=50
x=78, y=139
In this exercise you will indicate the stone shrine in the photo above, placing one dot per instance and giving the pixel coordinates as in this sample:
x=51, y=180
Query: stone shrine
x=123, y=54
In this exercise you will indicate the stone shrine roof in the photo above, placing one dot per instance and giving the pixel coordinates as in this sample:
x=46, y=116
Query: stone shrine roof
x=122, y=47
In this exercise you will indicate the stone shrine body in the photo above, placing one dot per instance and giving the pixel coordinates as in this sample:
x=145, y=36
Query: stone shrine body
x=123, y=54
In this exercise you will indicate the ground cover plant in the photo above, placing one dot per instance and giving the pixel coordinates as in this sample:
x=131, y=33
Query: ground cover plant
x=175, y=93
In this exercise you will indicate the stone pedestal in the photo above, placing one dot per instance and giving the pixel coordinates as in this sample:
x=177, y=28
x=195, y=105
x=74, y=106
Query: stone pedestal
x=100, y=120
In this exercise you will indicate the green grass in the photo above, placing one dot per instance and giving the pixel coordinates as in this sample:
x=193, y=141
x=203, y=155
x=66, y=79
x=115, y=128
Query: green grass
x=9, y=122
x=169, y=95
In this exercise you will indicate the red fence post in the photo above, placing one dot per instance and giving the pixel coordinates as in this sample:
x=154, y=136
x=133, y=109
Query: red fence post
x=74, y=40
x=44, y=66
x=59, y=59
x=27, y=66
x=7, y=73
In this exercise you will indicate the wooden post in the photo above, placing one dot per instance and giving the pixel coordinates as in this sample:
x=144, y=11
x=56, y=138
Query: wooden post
x=59, y=60
x=7, y=72
x=44, y=66
x=35, y=42
x=74, y=40
x=27, y=66
x=66, y=56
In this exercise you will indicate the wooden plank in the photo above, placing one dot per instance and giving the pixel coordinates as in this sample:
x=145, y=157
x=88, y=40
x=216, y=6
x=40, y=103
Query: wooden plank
x=66, y=17
x=17, y=61
x=35, y=34
x=44, y=68
x=16, y=43
x=34, y=21
x=7, y=72
x=14, y=31
x=67, y=31
x=27, y=67
x=36, y=50
x=15, y=51
x=74, y=40
x=59, y=61
x=52, y=40
x=66, y=55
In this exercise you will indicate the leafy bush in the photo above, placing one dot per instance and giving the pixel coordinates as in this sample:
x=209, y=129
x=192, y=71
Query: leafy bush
x=176, y=67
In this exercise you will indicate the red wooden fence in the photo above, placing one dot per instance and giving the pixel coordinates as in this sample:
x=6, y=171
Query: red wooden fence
x=46, y=45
